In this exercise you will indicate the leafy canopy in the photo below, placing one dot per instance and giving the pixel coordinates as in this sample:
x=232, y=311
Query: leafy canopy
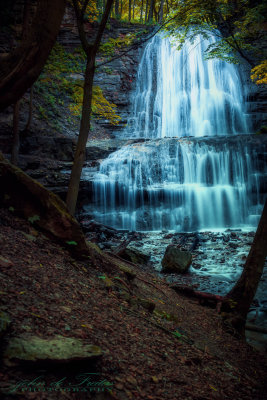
x=241, y=21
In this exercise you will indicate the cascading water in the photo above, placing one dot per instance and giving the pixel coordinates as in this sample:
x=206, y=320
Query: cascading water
x=181, y=183
x=180, y=94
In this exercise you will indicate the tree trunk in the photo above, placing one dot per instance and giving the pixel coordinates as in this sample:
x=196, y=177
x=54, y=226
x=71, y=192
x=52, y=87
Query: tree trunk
x=20, y=68
x=91, y=51
x=141, y=11
x=117, y=6
x=147, y=3
x=151, y=11
x=79, y=157
x=30, y=111
x=15, y=145
x=241, y=295
x=130, y=10
x=161, y=11
x=133, y=8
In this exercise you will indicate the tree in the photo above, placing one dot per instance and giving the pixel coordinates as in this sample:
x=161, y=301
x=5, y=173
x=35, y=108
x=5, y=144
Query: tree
x=161, y=11
x=241, y=295
x=22, y=66
x=151, y=11
x=90, y=51
x=237, y=24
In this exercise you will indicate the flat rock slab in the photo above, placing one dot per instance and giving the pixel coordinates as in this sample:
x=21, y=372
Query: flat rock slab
x=58, y=349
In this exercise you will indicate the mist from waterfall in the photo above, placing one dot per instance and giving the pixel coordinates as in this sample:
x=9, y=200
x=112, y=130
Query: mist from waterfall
x=175, y=178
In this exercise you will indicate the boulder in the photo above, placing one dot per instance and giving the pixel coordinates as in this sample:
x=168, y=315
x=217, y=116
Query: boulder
x=135, y=256
x=176, y=260
x=59, y=349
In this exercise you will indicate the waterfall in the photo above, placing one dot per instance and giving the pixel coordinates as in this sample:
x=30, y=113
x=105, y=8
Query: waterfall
x=180, y=94
x=191, y=166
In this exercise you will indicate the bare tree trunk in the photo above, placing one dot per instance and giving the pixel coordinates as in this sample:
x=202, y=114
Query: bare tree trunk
x=141, y=11
x=91, y=51
x=117, y=7
x=147, y=3
x=168, y=8
x=79, y=157
x=30, y=111
x=15, y=145
x=151, y=11
x=133, y=8
x=161, y=11
x=241, y=295
x=130, y=10
x=20, y=68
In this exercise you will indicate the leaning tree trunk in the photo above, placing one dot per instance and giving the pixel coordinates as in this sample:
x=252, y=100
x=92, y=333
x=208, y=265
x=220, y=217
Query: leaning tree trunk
x=79, y=157
x=15, y=144
x=241, y=295
x=20, y=68
x=91, y=51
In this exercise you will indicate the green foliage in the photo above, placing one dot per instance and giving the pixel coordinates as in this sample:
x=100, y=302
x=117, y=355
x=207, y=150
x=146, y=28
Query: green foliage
x=34, y=218
x=110, y=47
x=61, y=84
x=72, y=243
x=241, y=21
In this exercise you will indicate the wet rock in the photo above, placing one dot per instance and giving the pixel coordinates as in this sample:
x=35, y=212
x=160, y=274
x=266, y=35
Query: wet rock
x=233, y=245
x=59, y=349
x=175, y=260
x=135, y=256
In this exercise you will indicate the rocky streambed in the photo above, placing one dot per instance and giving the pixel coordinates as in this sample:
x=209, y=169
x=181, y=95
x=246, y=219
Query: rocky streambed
x=217, y=261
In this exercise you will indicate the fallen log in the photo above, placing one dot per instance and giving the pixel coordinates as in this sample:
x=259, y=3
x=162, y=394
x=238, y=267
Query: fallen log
x=206, y=299
x=119, y=249
x=256, y=328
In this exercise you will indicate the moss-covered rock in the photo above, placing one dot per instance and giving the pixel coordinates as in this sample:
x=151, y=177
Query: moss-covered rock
x=58, y=349
x=176, y=260
x=135, y=256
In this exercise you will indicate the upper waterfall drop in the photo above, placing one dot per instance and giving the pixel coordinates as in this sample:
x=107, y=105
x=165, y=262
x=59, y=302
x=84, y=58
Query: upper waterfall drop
x=195, y=170
x=179, y=93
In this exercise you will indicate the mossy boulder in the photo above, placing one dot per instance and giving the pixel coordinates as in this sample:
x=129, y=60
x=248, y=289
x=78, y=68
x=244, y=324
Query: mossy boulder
x=176, y=260
x=58, y=349
x=135, y=256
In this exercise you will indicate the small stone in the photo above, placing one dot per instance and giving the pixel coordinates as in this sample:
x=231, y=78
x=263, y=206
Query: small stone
x=130, y=379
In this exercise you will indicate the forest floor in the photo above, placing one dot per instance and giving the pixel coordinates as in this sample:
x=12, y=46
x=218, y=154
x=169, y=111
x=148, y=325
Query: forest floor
x=156, y=344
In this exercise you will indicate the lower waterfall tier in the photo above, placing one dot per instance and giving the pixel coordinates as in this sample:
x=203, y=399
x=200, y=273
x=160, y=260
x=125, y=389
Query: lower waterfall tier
x=181, y=184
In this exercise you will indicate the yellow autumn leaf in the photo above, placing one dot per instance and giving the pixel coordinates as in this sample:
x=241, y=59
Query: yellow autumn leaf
x=213, y=388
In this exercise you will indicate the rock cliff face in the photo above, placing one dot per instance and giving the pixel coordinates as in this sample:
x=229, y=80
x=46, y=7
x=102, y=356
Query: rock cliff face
x=117, y=77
